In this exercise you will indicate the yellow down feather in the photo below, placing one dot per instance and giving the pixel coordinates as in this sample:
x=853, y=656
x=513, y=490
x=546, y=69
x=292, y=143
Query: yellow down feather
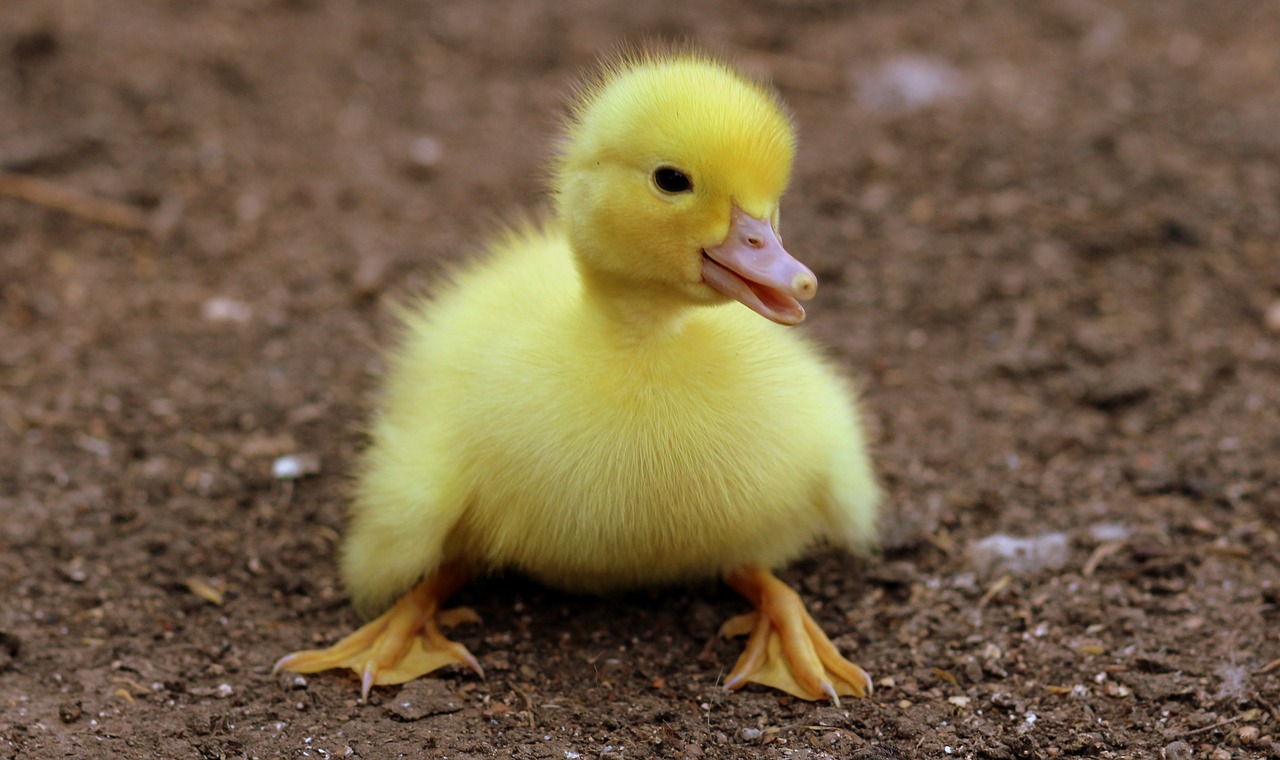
x=578, y=406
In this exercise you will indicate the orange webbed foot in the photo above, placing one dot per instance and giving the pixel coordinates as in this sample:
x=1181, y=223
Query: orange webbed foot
x=786, y=649
x=405, y=642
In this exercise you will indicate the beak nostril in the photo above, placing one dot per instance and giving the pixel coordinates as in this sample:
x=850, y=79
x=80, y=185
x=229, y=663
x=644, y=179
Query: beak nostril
x=754, y=242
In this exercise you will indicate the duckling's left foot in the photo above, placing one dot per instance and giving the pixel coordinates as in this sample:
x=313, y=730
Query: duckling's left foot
x=787, y=650
x=403, y=643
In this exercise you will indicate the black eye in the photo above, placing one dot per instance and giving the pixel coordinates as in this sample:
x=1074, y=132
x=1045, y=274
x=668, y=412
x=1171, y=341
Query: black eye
x=671, y=180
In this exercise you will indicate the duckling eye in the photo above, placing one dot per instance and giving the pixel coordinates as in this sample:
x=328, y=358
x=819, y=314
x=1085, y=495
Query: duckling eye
x=671, y=180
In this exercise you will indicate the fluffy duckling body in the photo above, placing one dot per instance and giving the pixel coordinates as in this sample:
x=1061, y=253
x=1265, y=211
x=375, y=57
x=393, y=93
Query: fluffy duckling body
x=588, y=405
x=569, y=449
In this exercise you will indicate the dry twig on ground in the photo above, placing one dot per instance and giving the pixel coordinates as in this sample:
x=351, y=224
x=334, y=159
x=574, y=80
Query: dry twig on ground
x=68, y=201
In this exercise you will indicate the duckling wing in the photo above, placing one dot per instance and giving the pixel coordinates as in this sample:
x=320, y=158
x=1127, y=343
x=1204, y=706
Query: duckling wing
x=418, y=474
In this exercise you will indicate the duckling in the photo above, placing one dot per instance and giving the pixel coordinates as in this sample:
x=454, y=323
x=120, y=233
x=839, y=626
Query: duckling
x=591, y=405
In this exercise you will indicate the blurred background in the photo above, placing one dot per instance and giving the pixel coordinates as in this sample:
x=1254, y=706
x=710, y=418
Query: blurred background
x=1048, y=237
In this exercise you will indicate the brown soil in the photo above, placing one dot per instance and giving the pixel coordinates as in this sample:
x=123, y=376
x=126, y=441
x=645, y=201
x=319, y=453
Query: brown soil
x=1058, y=284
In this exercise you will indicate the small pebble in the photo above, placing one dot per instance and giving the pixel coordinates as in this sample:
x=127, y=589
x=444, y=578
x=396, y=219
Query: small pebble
x=1220, y=754
x=750, y=734
x=1272, y=318
x=226, y=310
x=370, y=274
x=1248, y=734
x=74, y=571
x=1178, y=750
x=294, y=466
x=425, y=152
x=1103, y=532
x=70, y=712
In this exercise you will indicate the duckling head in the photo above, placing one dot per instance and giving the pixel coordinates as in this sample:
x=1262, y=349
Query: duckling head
x=668, y=185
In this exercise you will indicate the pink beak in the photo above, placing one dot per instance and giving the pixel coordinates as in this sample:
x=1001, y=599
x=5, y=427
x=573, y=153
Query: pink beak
x=752, y=267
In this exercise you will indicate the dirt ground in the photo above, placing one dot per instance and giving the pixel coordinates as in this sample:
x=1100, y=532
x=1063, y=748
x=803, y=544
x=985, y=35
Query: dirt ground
x=1049, y=242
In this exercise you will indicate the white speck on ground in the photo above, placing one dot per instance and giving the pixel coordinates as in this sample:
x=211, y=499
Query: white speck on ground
x=1001, y=553
x=910, y=82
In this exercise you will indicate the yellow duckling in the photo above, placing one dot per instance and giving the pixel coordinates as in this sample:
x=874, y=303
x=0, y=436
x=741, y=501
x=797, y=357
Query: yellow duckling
x=587, y=406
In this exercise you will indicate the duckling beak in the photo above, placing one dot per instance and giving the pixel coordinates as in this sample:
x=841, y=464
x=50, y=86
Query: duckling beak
x=752, y=267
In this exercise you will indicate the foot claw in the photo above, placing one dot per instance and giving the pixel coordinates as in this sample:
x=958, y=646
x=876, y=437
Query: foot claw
x=281, y=664
x=470, y=661
x=830, y=691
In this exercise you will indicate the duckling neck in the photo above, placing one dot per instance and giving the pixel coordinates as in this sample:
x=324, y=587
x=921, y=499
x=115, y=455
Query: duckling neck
x=636, y=310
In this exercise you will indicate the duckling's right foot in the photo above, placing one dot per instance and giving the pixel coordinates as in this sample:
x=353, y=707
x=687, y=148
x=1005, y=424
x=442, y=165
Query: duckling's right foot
x=405, y=642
